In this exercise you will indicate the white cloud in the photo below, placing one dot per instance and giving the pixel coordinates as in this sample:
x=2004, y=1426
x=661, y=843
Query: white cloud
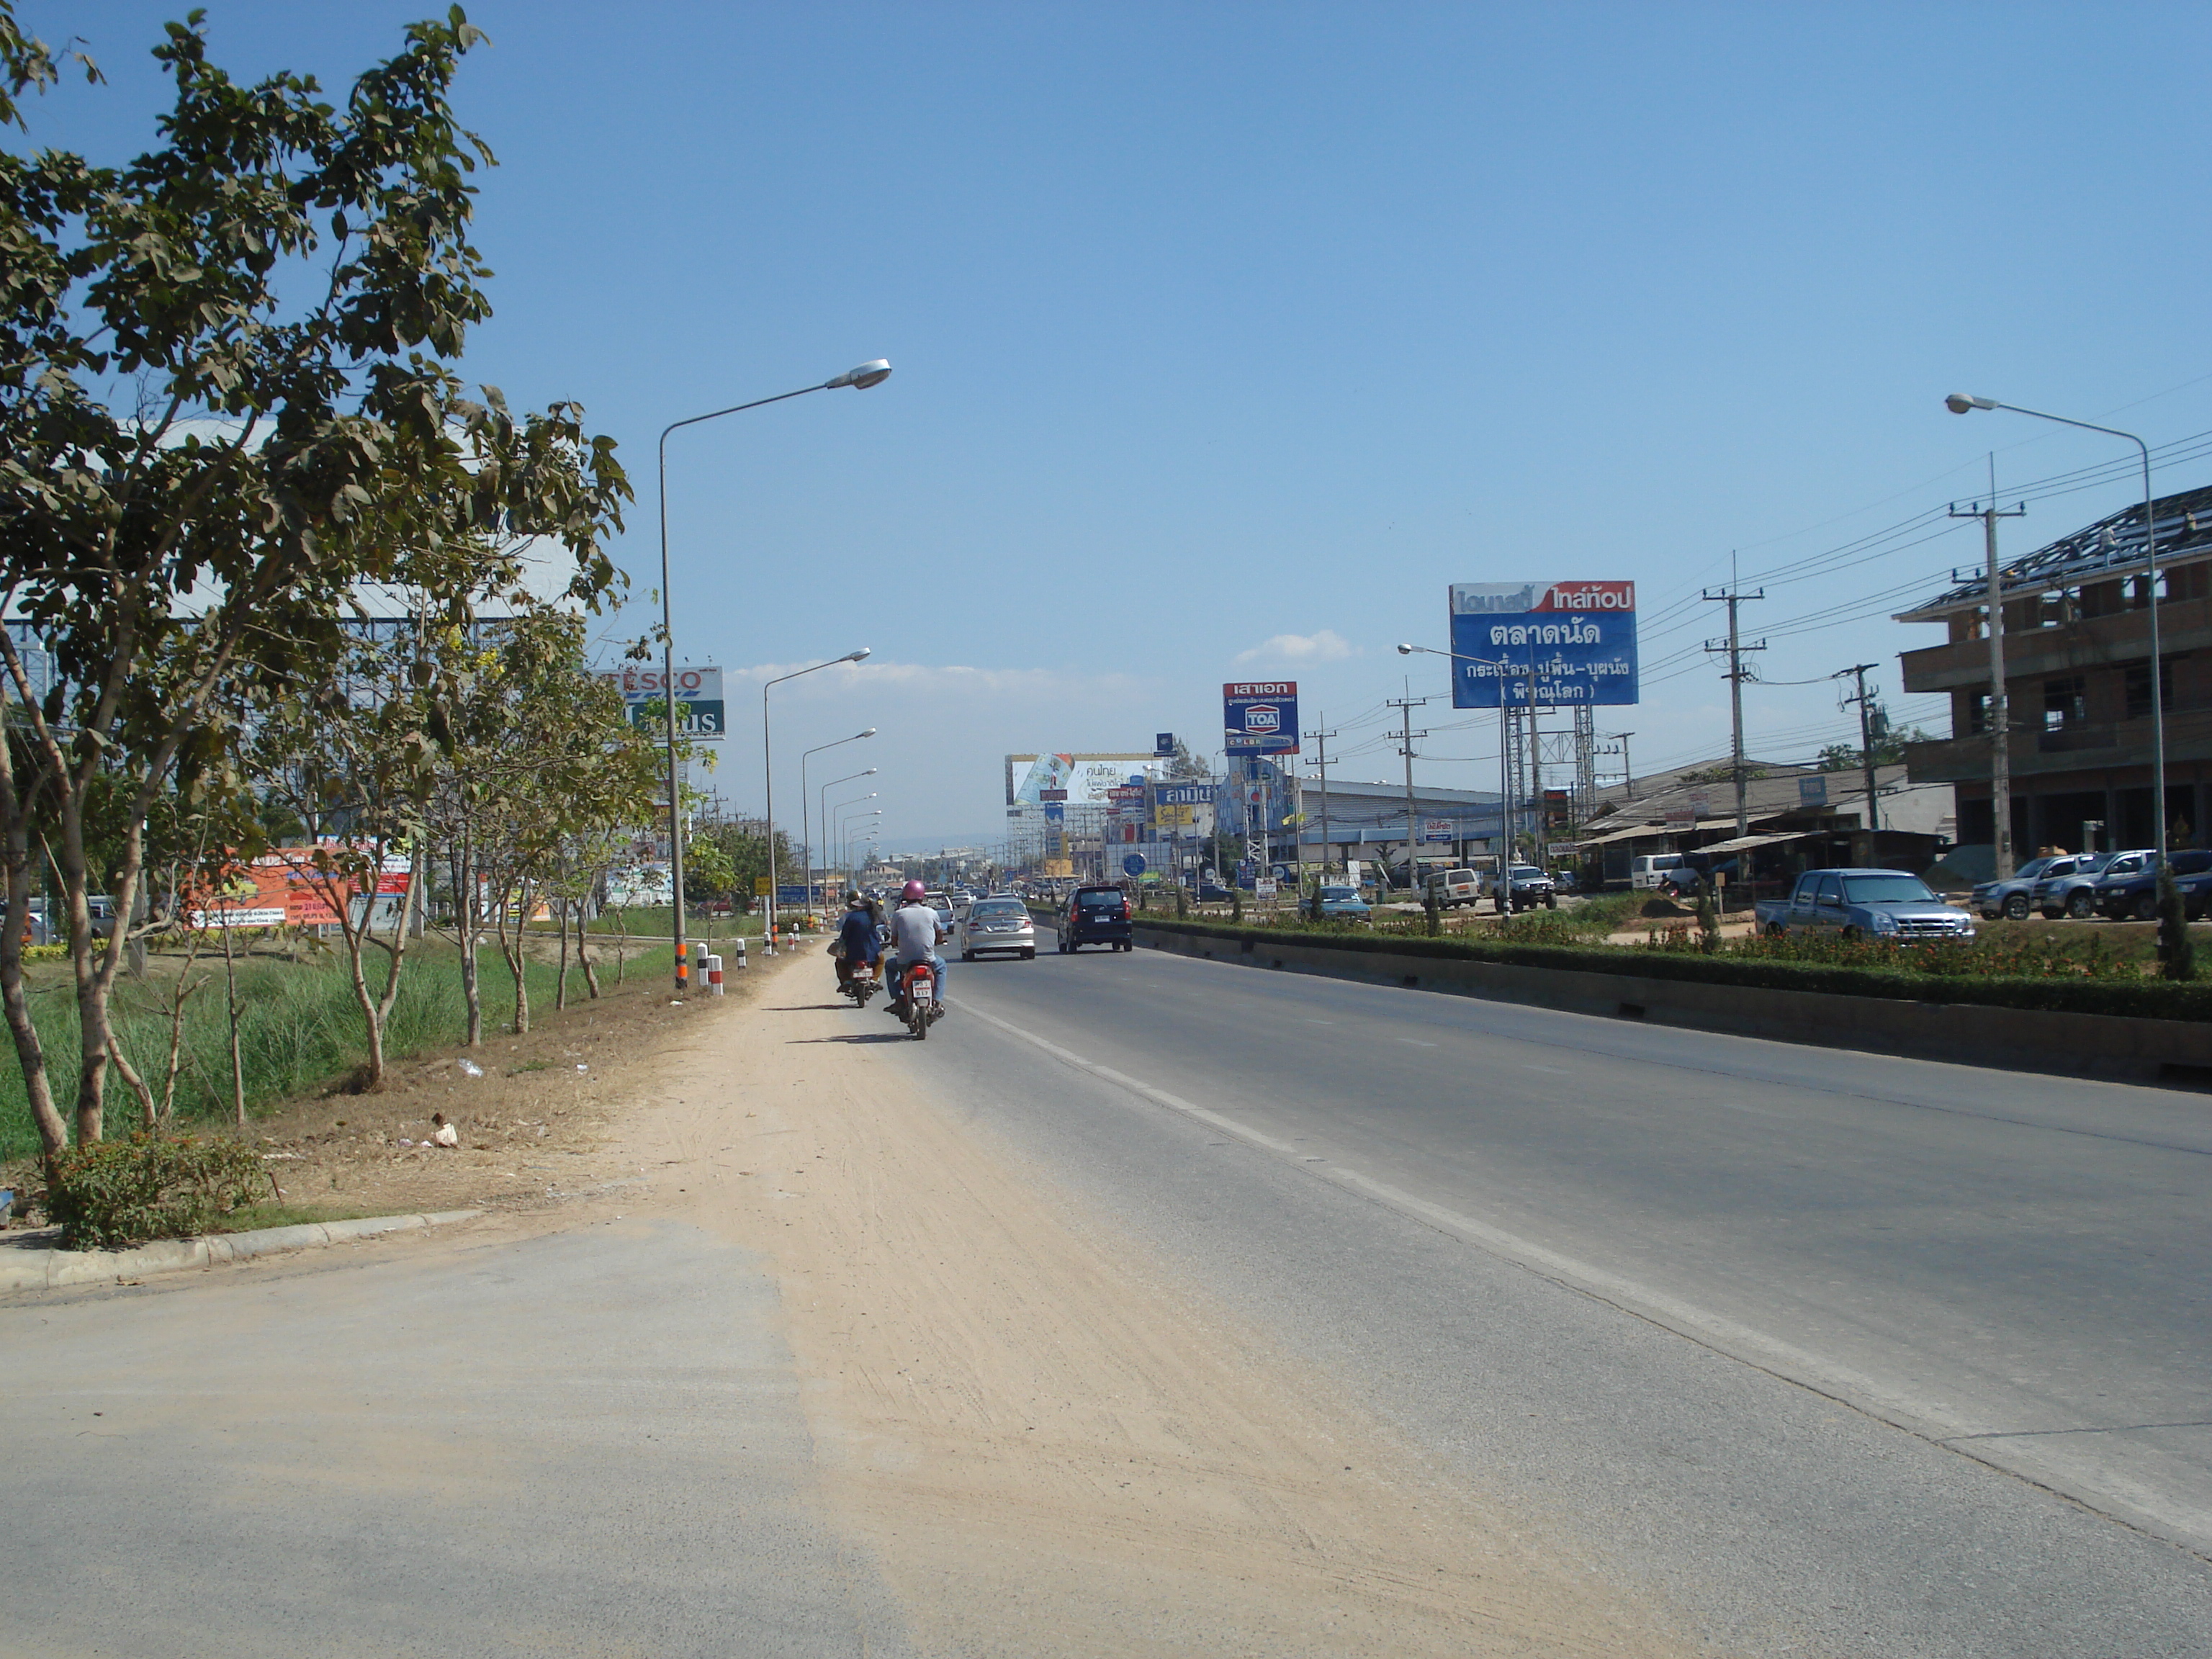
x=1327, y=646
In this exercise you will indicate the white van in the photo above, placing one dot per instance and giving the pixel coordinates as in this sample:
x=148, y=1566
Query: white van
x=1650, y=870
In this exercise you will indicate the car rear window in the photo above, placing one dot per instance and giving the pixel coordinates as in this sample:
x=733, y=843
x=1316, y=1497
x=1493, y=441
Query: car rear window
x=998, y=908
x=2189, y=863
x=1100, y=898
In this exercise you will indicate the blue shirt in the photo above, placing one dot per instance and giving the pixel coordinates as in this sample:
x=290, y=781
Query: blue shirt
x=858, y=935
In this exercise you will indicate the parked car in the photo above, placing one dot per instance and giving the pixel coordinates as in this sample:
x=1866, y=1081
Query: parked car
x=1212, y=892
x=2014, y=897
x=2131, y=894
x=1860, y=903
x=996, y=926
x=2070, y=887
x=1344, y=903
x=1456, y=887
x=1649, y=870
x=1096, y=915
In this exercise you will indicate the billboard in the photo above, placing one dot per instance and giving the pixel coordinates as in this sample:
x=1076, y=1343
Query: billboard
x=700, y=713
x=1575, y=640
x=1073, y=779
x=1260, y=717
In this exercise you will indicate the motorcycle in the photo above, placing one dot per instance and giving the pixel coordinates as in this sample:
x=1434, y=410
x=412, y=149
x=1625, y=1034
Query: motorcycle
x=918, y=987
x=859, y=986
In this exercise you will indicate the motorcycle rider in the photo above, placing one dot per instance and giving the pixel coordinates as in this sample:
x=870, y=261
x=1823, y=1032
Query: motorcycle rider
x=857, y=946
x=915, y=935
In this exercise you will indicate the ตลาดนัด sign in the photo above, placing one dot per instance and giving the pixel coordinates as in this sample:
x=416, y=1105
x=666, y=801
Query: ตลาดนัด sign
x=1575, y=640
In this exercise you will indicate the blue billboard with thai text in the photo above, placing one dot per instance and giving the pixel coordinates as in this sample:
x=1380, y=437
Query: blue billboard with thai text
x=1554, y=644
x=1260, y=717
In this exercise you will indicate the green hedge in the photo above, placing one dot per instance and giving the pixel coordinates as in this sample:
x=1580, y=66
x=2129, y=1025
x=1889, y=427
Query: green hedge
x=2148, y=999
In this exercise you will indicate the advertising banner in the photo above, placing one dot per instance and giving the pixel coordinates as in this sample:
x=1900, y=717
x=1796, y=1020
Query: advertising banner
x=701, y=713
x=1439, y=829
x=1260, y=717
x=1074, y=780
x=1575, y=642
x=283, y=889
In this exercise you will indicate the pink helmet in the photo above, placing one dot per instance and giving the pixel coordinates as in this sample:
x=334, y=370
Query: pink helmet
x=913, y=892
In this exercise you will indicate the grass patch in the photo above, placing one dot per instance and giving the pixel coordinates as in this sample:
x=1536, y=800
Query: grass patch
x=299, y=1030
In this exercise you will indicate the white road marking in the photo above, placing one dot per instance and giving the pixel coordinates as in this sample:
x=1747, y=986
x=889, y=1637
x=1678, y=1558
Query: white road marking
x=1416, y=1042
x=2114, y=1496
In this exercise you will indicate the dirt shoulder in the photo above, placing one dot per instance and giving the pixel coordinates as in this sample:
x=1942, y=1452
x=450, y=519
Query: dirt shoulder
x=1047, y=1446
x=541, y=1126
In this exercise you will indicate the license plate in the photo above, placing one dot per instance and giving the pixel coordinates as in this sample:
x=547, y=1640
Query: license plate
x=923, y=990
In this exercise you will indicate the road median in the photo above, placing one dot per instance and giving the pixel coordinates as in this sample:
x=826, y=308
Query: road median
x=2152, y=1033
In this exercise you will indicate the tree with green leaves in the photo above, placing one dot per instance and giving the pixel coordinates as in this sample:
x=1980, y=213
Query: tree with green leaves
x=228, y=401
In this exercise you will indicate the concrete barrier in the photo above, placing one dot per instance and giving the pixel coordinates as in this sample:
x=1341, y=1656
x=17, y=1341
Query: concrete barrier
x=2171, y=1052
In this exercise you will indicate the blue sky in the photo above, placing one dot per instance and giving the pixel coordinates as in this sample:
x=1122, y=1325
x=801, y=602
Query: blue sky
x=1227, y=335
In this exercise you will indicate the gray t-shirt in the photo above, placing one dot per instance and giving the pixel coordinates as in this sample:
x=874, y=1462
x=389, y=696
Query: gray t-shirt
x=914, y=932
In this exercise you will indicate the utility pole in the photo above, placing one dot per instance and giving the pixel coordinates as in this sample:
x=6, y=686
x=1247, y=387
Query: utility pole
x=1321, y=738
x=1405, y=706
x=1865, y=701
x=2000, y=704
x=1627, y=771
x=1736, y=675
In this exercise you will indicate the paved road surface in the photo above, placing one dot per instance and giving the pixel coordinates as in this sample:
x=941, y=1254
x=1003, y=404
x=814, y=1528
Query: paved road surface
x=2017, y=1270
x=585, y=1443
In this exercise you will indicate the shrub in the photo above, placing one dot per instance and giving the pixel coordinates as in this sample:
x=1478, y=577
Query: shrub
x=114, y=1193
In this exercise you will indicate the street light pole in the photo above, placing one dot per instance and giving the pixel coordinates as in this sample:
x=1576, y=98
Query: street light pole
x=768, y=778
x=844, y=824
x=868, y=375
x=1504, y=825
x=822, y=802
x=1959, y=404
x=805, y=829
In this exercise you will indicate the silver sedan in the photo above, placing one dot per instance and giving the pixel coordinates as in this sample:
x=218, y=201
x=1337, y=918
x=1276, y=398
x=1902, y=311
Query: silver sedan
x=998, y=926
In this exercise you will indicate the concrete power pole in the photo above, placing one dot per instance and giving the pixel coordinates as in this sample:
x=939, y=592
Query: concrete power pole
x=1736, y=675
x=1865, y=701
x=1405, y=706
x=1322, y=739
x=2000, y=704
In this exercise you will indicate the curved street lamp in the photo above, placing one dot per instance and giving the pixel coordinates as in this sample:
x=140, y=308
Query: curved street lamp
x=1960, y=402
x=822, y=809
x=846, y=825
x=806, y=830
x=768, y=774
x=874, y=373
x=1505, y=785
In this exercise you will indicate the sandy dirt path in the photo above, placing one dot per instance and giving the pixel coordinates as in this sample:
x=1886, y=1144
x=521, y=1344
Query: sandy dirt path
x=1052, y=1449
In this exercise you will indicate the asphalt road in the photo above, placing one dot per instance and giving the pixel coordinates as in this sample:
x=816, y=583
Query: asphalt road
x=1844, y=1353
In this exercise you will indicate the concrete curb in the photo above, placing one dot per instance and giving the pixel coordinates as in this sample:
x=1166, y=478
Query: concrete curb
x=2114, y=1047
x=53, y=1270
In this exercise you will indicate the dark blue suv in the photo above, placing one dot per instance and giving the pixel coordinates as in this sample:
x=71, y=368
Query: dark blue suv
x=1097, y=916
x=2134, y=897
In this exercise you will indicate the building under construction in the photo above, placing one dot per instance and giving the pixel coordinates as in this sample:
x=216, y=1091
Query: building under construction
x=2077, y=675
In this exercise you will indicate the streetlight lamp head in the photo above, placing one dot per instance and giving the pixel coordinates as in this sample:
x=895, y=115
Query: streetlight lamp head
x=855, y=656
x=1404, y=650
x=1958, y=403
x=870, y=732
x=870, y=771
x=861, y=379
